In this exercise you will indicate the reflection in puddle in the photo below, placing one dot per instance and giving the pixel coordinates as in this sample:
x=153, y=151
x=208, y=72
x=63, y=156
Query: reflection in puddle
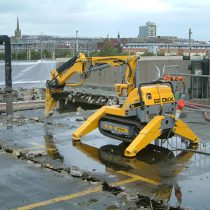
x=158, y=173
x=51, y=149
x=154, y=169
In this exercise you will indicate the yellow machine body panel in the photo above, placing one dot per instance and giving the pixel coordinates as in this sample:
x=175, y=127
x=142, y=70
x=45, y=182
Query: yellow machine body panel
x=151, y=95
x=157, y=94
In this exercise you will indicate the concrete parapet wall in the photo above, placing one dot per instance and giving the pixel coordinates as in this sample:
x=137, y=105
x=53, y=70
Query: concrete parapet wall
x=146, y=71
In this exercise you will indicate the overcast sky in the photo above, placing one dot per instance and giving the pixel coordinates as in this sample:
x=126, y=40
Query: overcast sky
x=97, y=18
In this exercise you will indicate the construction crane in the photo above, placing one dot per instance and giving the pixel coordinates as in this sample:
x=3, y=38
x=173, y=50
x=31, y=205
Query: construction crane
x=144, y=113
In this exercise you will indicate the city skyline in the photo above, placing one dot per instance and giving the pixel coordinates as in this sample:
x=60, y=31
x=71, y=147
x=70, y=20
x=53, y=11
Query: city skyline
x=92, y=18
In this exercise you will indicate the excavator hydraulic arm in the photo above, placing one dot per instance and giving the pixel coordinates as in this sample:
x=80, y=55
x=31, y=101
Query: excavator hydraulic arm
x=78, y=65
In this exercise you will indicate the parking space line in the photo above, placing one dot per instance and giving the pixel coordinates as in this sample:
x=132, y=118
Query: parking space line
x=74, y=195
x=37, y=146
x=59, y=199
x=138, y=178
x=44, y=147
x=29, y=148
x=126, y=181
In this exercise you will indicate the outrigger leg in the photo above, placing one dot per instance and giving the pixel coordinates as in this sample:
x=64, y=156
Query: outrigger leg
x=183, y=130
x=148, y=134
x=154, y=129
x=89, y=125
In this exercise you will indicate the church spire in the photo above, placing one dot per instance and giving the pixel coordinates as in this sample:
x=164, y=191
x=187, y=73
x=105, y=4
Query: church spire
x=18, y=31
x=18, y=24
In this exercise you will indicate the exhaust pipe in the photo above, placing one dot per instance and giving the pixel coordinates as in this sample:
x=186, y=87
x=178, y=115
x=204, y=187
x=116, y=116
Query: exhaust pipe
x=8, y=74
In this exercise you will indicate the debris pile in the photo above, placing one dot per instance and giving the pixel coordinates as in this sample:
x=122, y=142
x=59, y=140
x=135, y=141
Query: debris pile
x=23, y=94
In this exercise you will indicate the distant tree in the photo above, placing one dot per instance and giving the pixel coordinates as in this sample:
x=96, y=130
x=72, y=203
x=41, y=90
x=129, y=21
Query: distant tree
x=35, y=55
x=160, y=54
x=63, y=53
x=93, y=53
x=46, y=54
x=1, y=56
x=22, y=56
x=148, y=54
x=109, y=49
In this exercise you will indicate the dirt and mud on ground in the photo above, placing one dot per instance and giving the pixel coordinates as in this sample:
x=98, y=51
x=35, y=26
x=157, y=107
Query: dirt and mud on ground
x=41, y=168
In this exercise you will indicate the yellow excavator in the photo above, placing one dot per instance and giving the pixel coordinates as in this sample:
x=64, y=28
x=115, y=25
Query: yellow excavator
x=145, y=112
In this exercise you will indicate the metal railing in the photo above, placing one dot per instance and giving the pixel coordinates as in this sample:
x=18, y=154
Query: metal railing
x=197, y=86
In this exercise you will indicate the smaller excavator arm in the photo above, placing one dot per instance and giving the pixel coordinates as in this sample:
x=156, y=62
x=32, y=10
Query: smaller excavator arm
x=78, y=65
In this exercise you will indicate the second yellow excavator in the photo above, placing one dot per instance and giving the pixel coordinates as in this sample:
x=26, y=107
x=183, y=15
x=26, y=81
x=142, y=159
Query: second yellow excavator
x=144, y=113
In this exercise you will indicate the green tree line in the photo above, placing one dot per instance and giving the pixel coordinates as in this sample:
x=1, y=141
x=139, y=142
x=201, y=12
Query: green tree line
x=107, y=49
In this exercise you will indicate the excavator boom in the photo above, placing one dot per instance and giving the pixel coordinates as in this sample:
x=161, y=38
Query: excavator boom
x=78, y=65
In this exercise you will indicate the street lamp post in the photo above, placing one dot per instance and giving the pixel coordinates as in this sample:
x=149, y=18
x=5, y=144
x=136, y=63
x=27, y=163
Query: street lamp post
x=190, y=33
x=77, y=44
x=41, y=47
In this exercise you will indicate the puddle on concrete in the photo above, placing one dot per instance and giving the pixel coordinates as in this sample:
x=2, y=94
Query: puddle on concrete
x=180, y=178
x=162, y=174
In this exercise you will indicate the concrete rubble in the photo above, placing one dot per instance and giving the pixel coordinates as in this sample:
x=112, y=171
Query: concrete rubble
x=24, y=99
x=92, y=96
x=23, y=94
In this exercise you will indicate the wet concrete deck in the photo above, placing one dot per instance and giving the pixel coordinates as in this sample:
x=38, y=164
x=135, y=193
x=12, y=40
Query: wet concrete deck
x=25, y=186
x=168, y=178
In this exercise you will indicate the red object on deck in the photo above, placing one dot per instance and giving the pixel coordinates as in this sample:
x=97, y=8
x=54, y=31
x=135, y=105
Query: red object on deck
x=180, y=104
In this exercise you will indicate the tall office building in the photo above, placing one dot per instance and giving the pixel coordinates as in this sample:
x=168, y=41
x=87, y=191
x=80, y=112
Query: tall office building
x=18, y=31
x=147, y=31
